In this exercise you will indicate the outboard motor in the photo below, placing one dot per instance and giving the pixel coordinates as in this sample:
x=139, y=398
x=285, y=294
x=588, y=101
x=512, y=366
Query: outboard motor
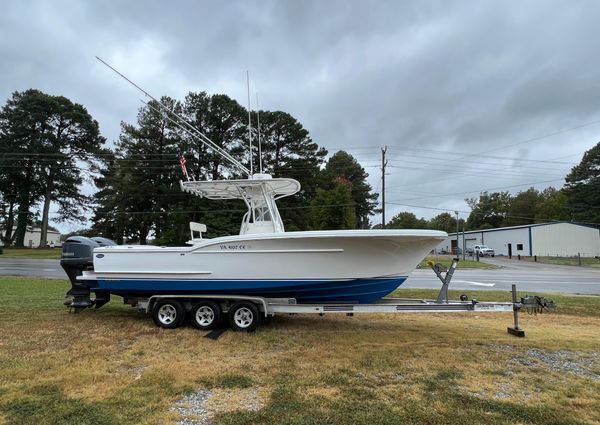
x=77, y=256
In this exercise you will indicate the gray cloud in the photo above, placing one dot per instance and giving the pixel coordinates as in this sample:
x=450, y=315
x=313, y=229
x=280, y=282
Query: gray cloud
x=435, y=81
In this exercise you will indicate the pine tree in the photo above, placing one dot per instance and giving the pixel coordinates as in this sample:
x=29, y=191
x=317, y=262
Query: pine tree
x=223, y=121
x=138, y=184
x=582, y=187
x=46, y=143
x=345, y=166
x=288, y=151
x=333, y=209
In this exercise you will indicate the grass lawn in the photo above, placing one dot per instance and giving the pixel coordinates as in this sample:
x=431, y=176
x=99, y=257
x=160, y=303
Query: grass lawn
x=566, y=261
x=446, y=260
x=40, y=253
x=113, y=366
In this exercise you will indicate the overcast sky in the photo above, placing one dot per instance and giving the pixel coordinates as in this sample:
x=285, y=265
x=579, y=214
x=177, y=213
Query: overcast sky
x=468, y=96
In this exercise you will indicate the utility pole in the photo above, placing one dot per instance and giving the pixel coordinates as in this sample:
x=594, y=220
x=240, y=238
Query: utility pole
x=383, y=165
x=457, y=248
x=464, y=245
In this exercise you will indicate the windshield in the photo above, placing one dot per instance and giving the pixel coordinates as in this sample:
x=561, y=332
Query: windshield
x=484, y=247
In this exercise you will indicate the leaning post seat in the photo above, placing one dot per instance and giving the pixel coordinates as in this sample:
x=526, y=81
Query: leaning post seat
x=199, y=228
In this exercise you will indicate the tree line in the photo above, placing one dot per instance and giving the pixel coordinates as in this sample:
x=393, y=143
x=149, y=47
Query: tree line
x=50, y=147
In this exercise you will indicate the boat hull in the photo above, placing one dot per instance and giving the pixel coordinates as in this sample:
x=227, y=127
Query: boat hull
x=359, y=291
x=359, y=266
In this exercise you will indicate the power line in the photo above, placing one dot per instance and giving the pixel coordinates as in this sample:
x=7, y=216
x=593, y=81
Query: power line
x=208, y=211
x=533, y=139
x=400, y=155
x=483, y=190
x=478, y=173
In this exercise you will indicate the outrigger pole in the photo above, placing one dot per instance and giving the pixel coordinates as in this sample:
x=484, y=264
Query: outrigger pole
x=181, y=123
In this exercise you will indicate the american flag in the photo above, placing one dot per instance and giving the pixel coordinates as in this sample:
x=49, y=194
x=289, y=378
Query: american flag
x=182, y=163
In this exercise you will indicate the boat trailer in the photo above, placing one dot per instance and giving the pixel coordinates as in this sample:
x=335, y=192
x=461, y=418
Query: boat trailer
x=245, y=312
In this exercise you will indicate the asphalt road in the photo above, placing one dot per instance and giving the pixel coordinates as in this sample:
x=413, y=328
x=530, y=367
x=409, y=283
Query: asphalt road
x=529, y=277
x=31, y=267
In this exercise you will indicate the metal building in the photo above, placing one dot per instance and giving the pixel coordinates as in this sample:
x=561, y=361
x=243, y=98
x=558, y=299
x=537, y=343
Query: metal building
x=33, y=236
x=563, y=239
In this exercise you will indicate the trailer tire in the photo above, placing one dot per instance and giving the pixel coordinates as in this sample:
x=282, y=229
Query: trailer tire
x=205, y=315
x=168, y=314
x=243, y=317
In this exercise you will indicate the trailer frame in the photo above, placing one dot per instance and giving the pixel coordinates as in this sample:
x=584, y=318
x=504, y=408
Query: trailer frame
x=269, y=307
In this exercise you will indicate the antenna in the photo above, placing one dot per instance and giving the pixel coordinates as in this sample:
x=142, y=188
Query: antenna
x=249, y=121
x=182, y=123
x=258, y=127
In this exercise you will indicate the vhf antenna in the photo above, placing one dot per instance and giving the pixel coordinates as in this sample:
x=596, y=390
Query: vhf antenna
x=183, y=124
x=249, y=121
x=258, y=127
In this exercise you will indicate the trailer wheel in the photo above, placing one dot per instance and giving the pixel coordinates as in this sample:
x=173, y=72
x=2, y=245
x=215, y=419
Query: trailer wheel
x=205, y=315
x=168, y=314
x=243, y=316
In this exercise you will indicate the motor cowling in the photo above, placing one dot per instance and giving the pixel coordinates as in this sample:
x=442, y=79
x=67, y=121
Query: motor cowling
x=77, y=256
x=103, y=241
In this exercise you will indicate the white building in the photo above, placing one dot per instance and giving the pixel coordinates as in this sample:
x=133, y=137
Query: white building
x=545, y=239
x=32, y=237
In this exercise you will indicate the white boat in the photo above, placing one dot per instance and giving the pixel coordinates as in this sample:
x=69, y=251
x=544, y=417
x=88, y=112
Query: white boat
x=349, y=266
x=336, y=266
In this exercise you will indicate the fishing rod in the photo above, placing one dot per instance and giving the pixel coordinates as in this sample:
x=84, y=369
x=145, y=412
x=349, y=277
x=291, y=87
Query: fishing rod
x=181, y=122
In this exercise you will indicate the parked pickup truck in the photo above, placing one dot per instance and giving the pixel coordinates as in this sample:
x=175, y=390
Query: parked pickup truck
x=484, y=250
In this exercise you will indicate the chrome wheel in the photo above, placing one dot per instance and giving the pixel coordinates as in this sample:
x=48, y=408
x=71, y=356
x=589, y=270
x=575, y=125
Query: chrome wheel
x=167, y=314
x=205, y=316
x=243, y=317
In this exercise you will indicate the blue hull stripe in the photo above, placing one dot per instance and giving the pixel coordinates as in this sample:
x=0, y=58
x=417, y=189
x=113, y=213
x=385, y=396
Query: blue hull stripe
x=307, y=291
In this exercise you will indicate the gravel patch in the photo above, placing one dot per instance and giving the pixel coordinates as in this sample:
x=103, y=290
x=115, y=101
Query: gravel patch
x=584, y=365
x=388, y=378
x=200, y=407
x=229, y=400
x=503, y=392
x=191, y=408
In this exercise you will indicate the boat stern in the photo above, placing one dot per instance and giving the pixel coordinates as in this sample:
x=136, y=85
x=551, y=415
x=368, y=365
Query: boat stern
x=78, y=256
